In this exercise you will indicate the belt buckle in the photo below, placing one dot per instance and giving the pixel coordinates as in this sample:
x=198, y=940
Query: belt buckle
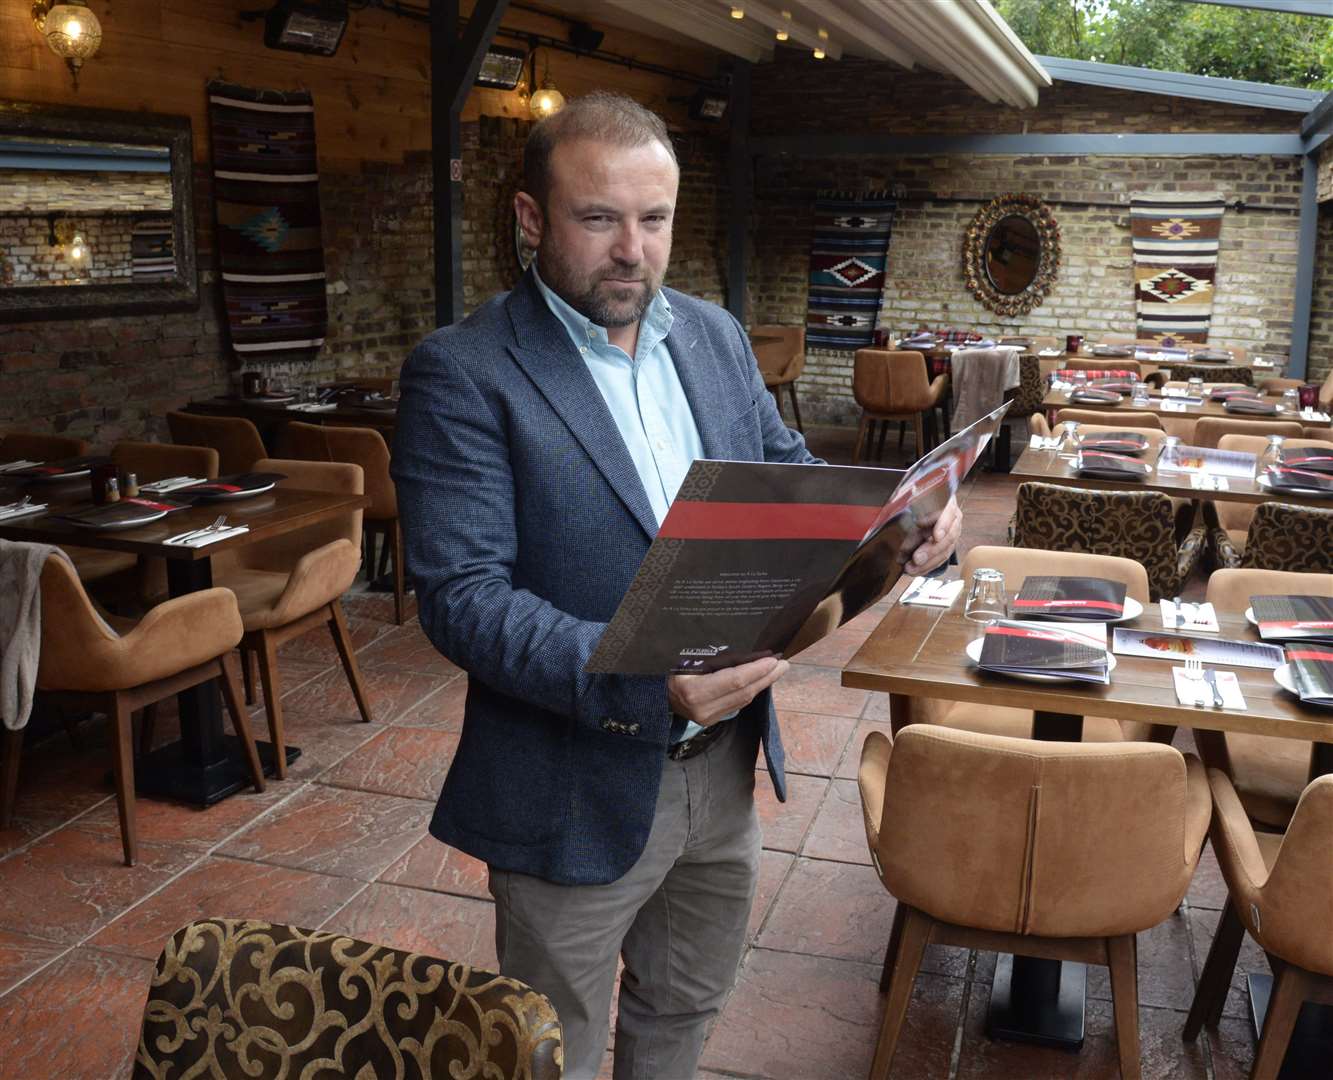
x=695, y=744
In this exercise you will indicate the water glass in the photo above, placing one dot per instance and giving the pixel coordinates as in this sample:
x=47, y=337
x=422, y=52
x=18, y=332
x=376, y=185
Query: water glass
x=1140, y=392
x=1195, y=387
x=1170, y=450
x=1071, y=435
x=1080, y=379
x=1291, y=401
x=1272, y=454
x=985, y=599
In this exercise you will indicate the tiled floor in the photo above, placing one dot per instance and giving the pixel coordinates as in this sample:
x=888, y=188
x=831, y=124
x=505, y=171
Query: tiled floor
x=342, y=844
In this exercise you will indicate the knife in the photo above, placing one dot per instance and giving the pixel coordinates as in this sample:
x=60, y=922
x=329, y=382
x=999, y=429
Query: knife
x=1210, y=677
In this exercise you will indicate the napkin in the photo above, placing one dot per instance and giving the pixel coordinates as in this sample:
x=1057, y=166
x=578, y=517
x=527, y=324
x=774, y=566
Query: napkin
x=12, y=511
x=314, y=406
x=1194, y=617
x=1048, y=442
x=1312, y=414
x=210, y=538
x=1174, y=406
x=1198, y=692
x=1203, y=481
x=161, y=487
x=931, y=592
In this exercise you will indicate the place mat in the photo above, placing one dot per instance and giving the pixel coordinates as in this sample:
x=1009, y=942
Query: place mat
x=1187, y=616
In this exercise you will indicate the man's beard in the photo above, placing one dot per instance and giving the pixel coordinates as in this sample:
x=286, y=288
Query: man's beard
x=583, y=295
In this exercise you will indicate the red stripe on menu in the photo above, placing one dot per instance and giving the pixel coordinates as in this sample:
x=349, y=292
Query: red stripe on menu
x=1069, y=603
x=1306, y=624
x=1308, y=654
x=1014, y=631
x=690, y=520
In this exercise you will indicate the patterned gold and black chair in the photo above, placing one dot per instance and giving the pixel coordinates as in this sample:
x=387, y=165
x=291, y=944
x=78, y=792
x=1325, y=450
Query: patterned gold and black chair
x=241, y=997
x=1232, y=373
x=1138, y=525
x=1283, y=536
x=1031, y=388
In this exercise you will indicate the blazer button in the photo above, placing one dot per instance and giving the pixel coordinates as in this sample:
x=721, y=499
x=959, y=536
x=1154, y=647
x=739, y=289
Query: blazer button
x=608, y=725
x=634, y=729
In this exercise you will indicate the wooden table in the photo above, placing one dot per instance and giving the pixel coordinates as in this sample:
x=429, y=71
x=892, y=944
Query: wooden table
x=918, y=652
x=1059, y=399
x=204, y=765
x=270, y=418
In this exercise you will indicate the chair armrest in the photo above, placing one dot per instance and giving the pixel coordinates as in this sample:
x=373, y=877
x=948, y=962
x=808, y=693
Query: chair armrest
x=319, y=577
x=1198, y=808
x=182, y=633
x=939, y=388
x=1191, y=551
x=1234, y=841
x=871, y=780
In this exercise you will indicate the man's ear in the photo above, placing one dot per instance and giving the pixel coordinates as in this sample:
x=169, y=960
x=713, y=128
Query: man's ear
x=530, y=218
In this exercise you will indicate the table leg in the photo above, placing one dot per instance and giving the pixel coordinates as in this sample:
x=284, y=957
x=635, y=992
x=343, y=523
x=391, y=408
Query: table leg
x=1000, y=450
x=1321, y=760
x=1032, y=999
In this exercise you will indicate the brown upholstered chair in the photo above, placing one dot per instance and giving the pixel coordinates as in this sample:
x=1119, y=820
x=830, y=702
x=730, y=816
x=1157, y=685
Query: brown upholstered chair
x=1154, y=436
x=151, y=461
x=96, y=663
x=1210, y=373
x=1281, y=894
x=290, y=584
x=1138, y=525
x=30, y=446
x=1103, y=363
x=235, y=438
x=1284, y=536
x=297, y=1002
x=1123, y=419
x=1210, y=430
x=365, y=447
x=1034, y=848
x=892, y=385
x=781, y=362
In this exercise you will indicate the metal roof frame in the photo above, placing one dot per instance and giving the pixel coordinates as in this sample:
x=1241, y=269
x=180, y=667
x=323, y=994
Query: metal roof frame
x=1283, y=7
x=1178, y=84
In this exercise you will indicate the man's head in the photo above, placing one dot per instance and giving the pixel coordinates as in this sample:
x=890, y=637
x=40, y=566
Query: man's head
x=600, y=181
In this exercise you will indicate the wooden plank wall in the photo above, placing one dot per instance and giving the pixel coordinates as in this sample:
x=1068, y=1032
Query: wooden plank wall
x=372, y=98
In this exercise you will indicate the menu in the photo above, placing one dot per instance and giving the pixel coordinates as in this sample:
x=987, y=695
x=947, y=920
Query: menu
x=1193, y=459
x=1112, y=466
x=1311, y=458
x=1311, y=668
x=1287, y=478
x=1115, y=442
x=1093, y=599
x=1209, y=650
x=1294, y=618
x=1024, y=648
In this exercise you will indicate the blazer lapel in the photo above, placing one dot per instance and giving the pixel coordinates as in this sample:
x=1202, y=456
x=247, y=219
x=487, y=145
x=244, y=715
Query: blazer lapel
x=700, y=374
x=562, y=377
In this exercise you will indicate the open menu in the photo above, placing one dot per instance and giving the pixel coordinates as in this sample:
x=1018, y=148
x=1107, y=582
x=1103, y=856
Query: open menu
x=763, y=559
x=1209, y=650
x=1091, y=599
x=1194, y=459
x=1025, y=648
x=1311, y=668
x=1294, y=618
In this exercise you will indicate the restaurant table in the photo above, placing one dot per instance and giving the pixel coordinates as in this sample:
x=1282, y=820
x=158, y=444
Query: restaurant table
x=204, y=765
x=918, y=652
x=1059, y=399
x=271, y=417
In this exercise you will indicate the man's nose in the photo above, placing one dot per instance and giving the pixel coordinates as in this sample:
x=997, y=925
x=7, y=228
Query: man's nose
x=628, y=247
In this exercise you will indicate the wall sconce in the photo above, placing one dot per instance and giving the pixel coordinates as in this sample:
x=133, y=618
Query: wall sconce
x=65, y=235
x=548, y=100
x=70, y=30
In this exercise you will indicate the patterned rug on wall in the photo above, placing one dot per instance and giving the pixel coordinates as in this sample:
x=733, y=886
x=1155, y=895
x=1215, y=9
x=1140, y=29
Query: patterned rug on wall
x=848, y=259
x=266, y=199
x=1175, y=237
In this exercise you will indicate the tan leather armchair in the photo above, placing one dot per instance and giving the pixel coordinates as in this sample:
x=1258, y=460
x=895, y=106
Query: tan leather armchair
x=235, y=438
x=1281, y=894
x=365, y=447
x=290, y=584
x=1049, y=849
x=1210, y=430
x=30, y=446
x=151, y=461
x=1105, y=416
x=781, y=362
x=92, y=663
x=890, y=385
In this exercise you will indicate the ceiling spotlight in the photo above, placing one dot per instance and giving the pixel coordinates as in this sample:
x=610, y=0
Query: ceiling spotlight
x=819, y=54
x=782, y=35
x=737, y=12
x=823, y=34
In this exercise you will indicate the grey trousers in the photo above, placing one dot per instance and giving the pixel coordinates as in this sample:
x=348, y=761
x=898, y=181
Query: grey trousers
x=678, y=919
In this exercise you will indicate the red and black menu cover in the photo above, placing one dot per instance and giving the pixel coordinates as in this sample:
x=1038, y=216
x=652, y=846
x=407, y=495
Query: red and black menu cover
x=764, y=559
x=231, y=486
x=1312, y=458
x=1289, y=478
x=1311, y=667
x=1229, y=393
x=124, y=514
x=1294, y=618
x=1111, y=466
x=1120, y=387
x=1016, y=648
x=1115, y=442
x=1091, y=599
x=65, y=468
x=1093, y=396
x=1250, y=406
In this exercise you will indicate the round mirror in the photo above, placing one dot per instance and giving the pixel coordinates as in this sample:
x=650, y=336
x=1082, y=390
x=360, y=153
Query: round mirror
x=1013, y=252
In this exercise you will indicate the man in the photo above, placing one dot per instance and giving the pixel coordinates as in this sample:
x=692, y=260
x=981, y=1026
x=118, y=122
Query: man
x=539, y=445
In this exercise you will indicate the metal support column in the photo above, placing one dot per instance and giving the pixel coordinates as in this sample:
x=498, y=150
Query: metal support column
x=740, y=169
x=1305, y=267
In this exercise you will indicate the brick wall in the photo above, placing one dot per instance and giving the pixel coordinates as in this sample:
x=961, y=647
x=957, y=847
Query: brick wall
x=1321, y=315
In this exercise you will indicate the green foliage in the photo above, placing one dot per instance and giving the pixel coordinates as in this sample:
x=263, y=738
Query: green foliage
x=1176, y=35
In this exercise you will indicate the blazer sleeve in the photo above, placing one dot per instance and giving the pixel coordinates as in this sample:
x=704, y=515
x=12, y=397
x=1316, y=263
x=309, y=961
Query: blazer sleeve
x=456, y=502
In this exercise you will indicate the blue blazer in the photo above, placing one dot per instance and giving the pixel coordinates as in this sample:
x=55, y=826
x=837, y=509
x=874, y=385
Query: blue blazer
x=524, y=522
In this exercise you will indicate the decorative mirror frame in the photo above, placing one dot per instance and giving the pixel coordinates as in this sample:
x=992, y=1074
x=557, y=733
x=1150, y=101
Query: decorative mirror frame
x=974, y=253
x=92, y=301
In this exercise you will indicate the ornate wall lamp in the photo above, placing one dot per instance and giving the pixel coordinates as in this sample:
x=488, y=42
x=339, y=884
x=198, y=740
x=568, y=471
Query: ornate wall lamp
x=70, y=30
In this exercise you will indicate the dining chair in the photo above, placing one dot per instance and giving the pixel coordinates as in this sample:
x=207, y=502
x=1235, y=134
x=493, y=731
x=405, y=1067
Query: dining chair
x=893, y=385
x=1284, y=536
x=296, y=1002
x=1058, y=850
x=1127, y=418
x=31, y=446
x=1103, y=363
x=94, y=662
x=781, y=362
x=150, y=461
x=1280, y=892
x=1183, y=372
x=1276, y=386
x=365, y=447
x=235, y=438
x=288, y=585
x=1210, y=430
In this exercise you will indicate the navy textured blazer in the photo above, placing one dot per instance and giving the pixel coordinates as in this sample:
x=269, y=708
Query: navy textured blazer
x=524, y=522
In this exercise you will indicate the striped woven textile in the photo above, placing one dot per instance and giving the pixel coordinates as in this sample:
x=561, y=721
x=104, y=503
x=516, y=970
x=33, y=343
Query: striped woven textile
x=152, y=256
x=847, y=263
x=266, y=200
x=1175, y=238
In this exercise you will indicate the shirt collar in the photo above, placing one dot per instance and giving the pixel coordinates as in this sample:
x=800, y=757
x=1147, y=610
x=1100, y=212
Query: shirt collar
x=654, y=325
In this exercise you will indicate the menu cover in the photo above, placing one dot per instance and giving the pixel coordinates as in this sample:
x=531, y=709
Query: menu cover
x=1093, y=396
x=1118, y=387
x=1110, y=466
x=1250, y=406
x=1115, y=442
x=1312, y=458
x=1112, y=350
x=234, y=486
x=125, y=514
x=762, y=559
x=1287, y=478
x=1294, y=618
x=1227, y=393
x=1022, y=648
x=64, y=469
x=1093, y=599
x=1311, y=668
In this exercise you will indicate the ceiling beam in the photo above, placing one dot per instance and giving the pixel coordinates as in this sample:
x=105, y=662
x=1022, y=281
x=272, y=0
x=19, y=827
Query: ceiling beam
x=853, y=27
x=1191, y=144
x=719, y=32
x=772, y=18
x=1318, y=119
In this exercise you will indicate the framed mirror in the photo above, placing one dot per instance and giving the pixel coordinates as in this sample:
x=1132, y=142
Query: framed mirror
x=96, y=213
x=1011, y=254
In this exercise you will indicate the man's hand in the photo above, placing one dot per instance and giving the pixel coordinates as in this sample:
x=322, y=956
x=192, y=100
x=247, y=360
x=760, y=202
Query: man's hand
x=943, y=539
x=705, y=699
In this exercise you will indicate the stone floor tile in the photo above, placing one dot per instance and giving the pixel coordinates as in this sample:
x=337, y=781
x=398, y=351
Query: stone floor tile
x=839, y=832
x=1166, y=975
x=785, y=824
x=810, y=689
x=22, y=954
x=317, y=644
x=450, y=927
x=430, y=864
x=1231, y=1045
x=851, y=758
x=1208, y=889
x=322, y=745
x=77, y=1018
x=773, y=868
x=1252, y=961
x=390, y=691
x=73, y=882
x=229, y=888
x=813, y=743
x=334, y=831
x=841, y=645
x=405, y=761
x=409, y=648
x=189, y=826
x=442, y=708
x=831, y=909
x=378, y=606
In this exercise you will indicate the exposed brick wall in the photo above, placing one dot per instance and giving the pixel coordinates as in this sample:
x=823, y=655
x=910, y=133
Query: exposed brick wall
x=78, y=192
x=1321, y=315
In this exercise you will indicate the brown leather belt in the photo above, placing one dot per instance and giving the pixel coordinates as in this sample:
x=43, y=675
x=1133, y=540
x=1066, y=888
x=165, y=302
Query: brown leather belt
x=695, y=744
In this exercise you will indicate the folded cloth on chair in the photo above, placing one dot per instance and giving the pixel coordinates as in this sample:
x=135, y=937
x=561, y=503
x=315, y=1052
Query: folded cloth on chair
x=980, y=379
x=20, y=627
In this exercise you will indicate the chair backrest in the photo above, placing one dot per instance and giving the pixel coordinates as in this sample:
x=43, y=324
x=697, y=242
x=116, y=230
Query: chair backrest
x=356, y=445
x=1055, y=839
x=1326, y=393
x=1155, y=436
x=1210, y=430
x=1177, y=384
x=1230, y=590
x=1128, y=418
x=235, y=438
x=1031, y=387
x=318, y=1001
x=1210, y=372
x=781, y=360
x=1296, y=902
x=1283, y=536
x=31, y=446
x=1101, y=363
x=75, y=638
x=151, y=461
x=1276, y=386
x=1136, y=525
x=1018, y=564
x=889, y=381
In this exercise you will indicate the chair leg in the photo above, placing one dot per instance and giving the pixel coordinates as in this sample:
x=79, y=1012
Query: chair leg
x=248, y=674
x=795, y=407
x=911, y=947
x=1215, y=979
x=920, y=429
x=1290, y=987
x=944, y=416
x=1122, y=957
x=268, y=675
x=384, y=558
x=147, y=724
x=123, y=749
x=891, y=953
x=343, y=639
x=399, y=577
x=9, y=775
x=902, y=433
x=883, y=432
x=860, y=438
x=240, y=721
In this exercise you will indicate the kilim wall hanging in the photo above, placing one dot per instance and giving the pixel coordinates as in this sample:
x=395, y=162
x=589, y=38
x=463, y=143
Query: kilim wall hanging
x=152, y=257
x=266, y=198
x=847, y=263
x=1175, y=238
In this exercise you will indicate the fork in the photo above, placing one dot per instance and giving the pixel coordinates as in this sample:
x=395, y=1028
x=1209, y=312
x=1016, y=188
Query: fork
x=1194, y=674
x=193, y=534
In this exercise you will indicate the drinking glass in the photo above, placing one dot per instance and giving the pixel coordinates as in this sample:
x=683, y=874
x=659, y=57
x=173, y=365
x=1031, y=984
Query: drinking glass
x=1291, y=401
x=985, y=599
x=1194, y=387
x=1140, y=392
x=1308, y=395
x=1272, y=454
x=1080, y=380
x=1071, y=436
x=1170, y=450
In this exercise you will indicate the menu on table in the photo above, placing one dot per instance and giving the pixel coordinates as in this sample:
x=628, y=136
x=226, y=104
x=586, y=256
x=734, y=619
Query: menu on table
x=1208, y=650
x=1311, y=668
x=1084, y=598
x=1313, y=458
x=1112, y=466
x=1115, y=442
x=1294, y=618
x=1193, y=459
x=1287, y=478
x=1025, y=648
